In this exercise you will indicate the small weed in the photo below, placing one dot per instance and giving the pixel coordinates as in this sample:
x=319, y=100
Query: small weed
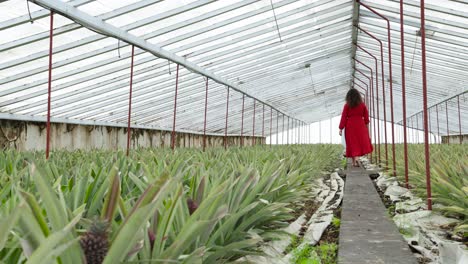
x=406, y=232
x=324, y=254
x=304, y=255
x=344, y=162
x=327, y=253
x=391, y=210
x=336, y=222
x=295, y=242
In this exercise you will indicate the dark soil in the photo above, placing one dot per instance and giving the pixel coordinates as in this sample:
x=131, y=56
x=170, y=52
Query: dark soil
x=308, y=208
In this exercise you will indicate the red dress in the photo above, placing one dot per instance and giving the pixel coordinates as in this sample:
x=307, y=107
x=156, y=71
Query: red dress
x=354, y=121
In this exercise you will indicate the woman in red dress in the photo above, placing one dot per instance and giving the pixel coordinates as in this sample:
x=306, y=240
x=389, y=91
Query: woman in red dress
x=355, y=119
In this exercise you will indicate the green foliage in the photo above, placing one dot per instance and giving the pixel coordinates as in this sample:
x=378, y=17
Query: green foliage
x=336, y=222
x=406, y=232
x=303, y=255
x=295, y=242
x=449, y=178
x=326, y=253
x=241, y=195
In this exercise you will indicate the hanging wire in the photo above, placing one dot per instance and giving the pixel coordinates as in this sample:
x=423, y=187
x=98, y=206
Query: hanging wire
x=311, y=79
x=276, y=21
x=169, y=66
x=29, y=12
x=118, y=47
x=414, y=51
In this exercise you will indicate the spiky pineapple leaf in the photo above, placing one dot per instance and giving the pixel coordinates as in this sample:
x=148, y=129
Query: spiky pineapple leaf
x=53, y=245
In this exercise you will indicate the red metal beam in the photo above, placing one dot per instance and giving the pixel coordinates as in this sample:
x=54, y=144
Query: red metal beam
x=263, y=123
x=371, y=99
x=391, y=79
x=129, y=129
x=242, y=124
x=253, y=126
x=377, y=100
x=277, y=127
x=426, y=136
x=383, y=89
x=459, y=120
x=446, y=117
x=49, y=88
x=271, y=125
x=227, y=114
x=365, y=75
x=438, y=129
x=403, y=92
x=206, y=110
x=175, y=109
x=367, y=86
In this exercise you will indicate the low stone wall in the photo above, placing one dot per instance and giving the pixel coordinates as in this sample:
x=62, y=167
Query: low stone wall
x=25, y=136
x=455, y=139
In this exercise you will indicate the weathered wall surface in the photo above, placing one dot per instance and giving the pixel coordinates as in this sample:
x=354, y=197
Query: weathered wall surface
x=455, y=139
x=23, y=136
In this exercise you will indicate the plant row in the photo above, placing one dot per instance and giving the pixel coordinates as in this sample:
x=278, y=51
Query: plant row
x=449, y=178
x=156, y=206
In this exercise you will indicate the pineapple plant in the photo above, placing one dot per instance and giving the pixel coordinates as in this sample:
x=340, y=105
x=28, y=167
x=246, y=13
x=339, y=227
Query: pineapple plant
x=95, y=242
x=192, y=206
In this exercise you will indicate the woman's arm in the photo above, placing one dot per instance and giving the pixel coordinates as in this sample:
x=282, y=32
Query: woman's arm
x=344, y=118
x=366, y=115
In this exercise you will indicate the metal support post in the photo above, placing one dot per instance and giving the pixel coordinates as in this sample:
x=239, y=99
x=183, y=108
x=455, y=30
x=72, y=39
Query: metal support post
x=377, y=100
x=206, y=110
x=438, y=127
x=263, y=123
x=227, y=114
x=242, y=122
x=175, y=109
x=446, y=118
x=253, y=125
x=459, y=120
x=277, y=128
x=391, y=82
x=383, y=91
x=129, y=131
x=426, y=137
x=49, y=88
x=403, y=92
x=271, y=125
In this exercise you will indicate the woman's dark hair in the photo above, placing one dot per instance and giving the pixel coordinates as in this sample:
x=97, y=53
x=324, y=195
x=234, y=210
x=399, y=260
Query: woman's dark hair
x=353, y=98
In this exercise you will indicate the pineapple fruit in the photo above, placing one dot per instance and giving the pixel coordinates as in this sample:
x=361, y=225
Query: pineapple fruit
x=95, y=242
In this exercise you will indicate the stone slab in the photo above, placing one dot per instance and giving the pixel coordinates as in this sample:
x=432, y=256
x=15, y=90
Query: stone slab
x=367, y=234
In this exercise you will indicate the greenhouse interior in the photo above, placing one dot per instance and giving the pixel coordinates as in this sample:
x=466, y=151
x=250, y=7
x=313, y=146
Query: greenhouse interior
x=240, y=131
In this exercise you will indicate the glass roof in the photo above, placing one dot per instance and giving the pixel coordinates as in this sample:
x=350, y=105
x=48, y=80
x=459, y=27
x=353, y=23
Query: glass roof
x=294, y=55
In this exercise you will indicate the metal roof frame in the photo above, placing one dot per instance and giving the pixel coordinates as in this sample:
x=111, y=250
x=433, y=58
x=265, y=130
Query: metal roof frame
x=234, y=48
